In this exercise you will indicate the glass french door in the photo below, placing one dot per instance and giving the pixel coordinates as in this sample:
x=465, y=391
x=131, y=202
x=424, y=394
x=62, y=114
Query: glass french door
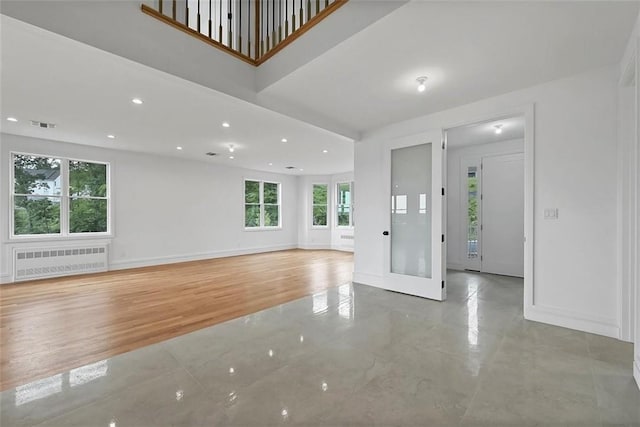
x=414, y=240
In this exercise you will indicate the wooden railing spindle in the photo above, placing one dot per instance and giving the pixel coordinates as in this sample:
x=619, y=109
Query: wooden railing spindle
x=264, y=35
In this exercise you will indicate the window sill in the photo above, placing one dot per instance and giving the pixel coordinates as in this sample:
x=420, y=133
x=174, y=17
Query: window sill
x=319, y=227
x=263, y=228
x=69, y=238
x=344, y=227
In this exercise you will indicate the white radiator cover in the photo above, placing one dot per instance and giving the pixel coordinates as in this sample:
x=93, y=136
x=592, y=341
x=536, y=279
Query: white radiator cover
x=63, y=260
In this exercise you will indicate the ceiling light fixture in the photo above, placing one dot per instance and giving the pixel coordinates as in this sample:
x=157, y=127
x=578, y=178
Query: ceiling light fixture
x=284, y=140
x=421, y=83
x=111, y=136
x=137, y=101
x=498, y=129
x=225, y=124
x=325, y=151
x=231, y=157
x=12, y=119
x=231, y=148
x=270, y=164
x=178, y=148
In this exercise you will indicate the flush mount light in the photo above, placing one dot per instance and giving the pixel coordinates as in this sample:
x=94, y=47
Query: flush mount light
x=270, y=164
x=284, y=140
x=225, y=124
x=325, y=151
x=422, y=80
x=498, y=129
x=111, y=136
x=137, y=101
x=178, y=148
x=231, y=157
x=12, y=119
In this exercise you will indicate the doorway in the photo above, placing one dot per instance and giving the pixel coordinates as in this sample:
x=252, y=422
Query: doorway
x=486, y=203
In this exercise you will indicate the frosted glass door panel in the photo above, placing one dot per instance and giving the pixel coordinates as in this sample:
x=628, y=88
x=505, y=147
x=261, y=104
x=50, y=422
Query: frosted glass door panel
x=411, y=212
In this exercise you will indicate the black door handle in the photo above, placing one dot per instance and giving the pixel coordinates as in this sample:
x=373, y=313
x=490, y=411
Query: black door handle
x=385, y=233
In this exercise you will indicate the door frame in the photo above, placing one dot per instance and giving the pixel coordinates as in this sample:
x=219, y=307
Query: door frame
x=528, y=112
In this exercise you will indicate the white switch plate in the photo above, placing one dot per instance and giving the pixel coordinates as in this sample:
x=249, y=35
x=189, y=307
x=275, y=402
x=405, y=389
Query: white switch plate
x=551, y=213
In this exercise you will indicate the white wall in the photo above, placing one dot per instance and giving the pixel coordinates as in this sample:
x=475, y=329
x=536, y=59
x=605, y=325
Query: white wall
x=330, y=237
x=574, y=280
x=165, y=209
x=456, y=204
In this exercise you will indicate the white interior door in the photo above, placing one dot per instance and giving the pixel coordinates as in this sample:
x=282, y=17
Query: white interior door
x=503, y=214
x=414, y=241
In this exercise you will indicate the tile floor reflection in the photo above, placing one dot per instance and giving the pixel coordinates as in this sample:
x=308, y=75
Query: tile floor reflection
x=354, y=355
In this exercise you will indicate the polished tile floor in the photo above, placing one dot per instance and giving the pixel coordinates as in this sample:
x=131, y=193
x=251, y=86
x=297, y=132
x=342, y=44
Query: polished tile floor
x=354, y=355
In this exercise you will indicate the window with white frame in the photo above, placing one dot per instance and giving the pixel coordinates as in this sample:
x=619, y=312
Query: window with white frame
x=344, y=204
x=261, y=204
x=54, y=196
x=320, y=205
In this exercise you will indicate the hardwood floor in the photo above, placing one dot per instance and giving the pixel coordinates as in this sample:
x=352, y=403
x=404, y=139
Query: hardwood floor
x=53, y=325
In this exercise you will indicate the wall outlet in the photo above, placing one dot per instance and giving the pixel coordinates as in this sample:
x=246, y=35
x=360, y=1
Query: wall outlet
x=551, y=213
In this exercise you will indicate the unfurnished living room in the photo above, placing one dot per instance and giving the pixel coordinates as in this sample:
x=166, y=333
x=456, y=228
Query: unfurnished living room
x=319, y=213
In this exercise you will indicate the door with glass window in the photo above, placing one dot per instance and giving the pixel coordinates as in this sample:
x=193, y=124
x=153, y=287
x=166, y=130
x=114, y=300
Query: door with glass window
x=414, y=238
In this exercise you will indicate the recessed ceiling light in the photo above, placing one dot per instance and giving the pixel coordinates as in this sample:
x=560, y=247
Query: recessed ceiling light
x=231, y=157
x=325, y=151
x=421, y=83
x=137, y=101
x=225, y=124
x=178, y=148
x=270, y=164
x=231, y=148
x=111, y=136
x=498, y=129
x=284, y=140
x=12, y=119
x=301, y=169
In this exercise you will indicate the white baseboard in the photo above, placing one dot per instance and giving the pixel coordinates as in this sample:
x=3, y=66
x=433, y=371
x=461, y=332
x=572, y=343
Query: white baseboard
x=577, y=321
x=455, y=266
x=367, y=279
x=342, y=248
x=146, y=262
x=313, y=246
x=636, y=372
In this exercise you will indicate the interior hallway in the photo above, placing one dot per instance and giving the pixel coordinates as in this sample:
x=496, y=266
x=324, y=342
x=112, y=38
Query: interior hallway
x=354, y=355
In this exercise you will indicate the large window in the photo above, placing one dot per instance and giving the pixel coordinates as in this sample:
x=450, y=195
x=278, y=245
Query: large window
x=261, y=204
x=59, y=197
x=320, y=204
x=344, y=204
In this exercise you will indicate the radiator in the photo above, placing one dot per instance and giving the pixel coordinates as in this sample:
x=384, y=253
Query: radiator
x=37, y=263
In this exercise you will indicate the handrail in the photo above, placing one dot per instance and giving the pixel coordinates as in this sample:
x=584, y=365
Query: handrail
x=251, y=30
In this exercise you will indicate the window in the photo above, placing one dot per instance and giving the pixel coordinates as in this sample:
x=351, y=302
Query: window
x=59, y=197
x=344, y=204
x=261, y=204
x=320, y=204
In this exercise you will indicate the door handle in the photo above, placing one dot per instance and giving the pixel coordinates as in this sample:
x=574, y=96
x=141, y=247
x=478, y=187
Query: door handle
x=385, y=233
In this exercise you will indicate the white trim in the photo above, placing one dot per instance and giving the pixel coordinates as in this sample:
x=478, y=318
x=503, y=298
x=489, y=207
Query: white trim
x=342, y=248
x=573, y=320
x=368, y=279
x=146, y=262
x=5, y=278
x=314, y=246
x=636, y=372
x=327, y=205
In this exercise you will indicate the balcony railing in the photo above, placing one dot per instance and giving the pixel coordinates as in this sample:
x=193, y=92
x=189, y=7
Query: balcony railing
x=252, y=30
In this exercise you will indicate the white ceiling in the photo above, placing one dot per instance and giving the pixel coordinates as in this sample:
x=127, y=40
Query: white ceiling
x=87, y=93
x=470, y=50
x=485, y=133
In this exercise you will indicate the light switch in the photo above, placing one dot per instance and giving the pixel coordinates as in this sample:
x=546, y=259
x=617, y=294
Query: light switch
x=551, y=213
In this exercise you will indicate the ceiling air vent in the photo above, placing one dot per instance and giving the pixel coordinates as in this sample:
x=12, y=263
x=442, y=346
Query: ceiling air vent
x=42, y=125
x=290, y=167
x=211, y=154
